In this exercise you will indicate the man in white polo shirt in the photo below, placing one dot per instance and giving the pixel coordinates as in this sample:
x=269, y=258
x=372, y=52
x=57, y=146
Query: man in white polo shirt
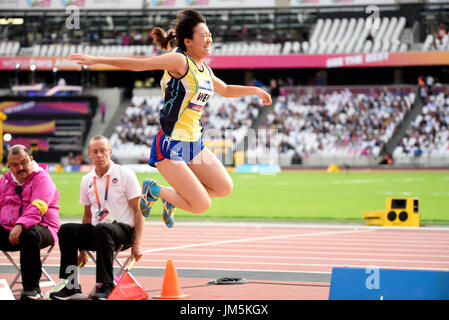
x=110, y=194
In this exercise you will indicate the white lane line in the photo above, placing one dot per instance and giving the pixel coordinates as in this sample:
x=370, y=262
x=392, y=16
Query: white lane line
x=358, y=253
x=323, y=240
x=349, y=247
x=195, y=262
x=285, y=236
x=293, y=225
x=292, y=253
x=281, y=258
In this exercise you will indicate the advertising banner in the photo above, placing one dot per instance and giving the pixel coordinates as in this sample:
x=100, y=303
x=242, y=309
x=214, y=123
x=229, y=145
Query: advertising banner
x=62, y=4
x=382, y=59
x=206, y=4
x=44, y=107
x=379, y=59
x=330, y=3
x=132, y=4
x=29, y=127
x=42, y=143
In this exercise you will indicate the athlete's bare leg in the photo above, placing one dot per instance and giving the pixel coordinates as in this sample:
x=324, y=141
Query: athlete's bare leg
x=211, y=173
x=186, y=191
x=194, y=184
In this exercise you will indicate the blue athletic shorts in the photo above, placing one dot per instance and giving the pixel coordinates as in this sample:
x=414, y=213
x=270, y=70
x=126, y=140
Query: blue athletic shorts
x=165, y=148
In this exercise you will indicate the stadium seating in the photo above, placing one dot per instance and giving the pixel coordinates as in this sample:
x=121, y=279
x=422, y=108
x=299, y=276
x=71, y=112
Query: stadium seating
x=334, y=122
x=427, y=43
x=139, y=123
x=326, y=36
x=351, y=36
x=9, y=48
x=64, y=50
x=338, y=123
x=428, y=134
x=136, y=129
x=433, y=43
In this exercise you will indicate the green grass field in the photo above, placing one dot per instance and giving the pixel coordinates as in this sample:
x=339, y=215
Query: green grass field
x=301, y=196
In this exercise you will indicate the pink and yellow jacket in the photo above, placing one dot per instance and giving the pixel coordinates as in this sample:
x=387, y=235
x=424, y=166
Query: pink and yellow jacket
x=39, y=198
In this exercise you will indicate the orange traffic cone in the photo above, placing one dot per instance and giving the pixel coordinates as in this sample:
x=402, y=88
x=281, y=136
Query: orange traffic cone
x=127, y=288
x=170, y=285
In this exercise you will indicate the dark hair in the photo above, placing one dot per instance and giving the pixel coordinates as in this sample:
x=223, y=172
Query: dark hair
x=18, y=148
x=183, y=26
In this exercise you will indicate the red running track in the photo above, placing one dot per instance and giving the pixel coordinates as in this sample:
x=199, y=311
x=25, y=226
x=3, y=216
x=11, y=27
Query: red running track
x=280, y=261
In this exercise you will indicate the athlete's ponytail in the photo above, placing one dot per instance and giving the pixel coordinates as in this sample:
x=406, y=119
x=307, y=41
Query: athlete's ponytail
x=162, y=39
x=185, y=22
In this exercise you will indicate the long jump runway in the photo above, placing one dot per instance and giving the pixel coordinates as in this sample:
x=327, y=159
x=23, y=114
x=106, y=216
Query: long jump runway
x=278, y=261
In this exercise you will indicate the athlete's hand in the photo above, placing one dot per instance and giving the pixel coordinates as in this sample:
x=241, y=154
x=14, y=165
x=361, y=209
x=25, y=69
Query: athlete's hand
x=265, y=96
x=82, y=59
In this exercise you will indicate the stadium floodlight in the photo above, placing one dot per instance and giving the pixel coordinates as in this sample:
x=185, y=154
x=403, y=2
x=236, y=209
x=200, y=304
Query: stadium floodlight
x=18, y=66
x=33, y=76
x=7, y=137
x=55, y=72
x=84, y=76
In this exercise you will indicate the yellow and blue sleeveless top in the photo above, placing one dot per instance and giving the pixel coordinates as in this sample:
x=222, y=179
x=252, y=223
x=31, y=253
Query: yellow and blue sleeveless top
x=184, y=101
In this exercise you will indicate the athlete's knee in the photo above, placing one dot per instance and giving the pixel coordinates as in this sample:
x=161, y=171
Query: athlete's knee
x=225, y=188
x=201, y=205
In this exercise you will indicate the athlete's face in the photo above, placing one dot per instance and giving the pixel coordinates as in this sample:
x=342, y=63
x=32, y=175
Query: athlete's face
x=201, y=43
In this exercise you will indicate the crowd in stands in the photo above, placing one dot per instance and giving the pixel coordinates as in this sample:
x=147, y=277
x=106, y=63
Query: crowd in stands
x=231, y=113
x=337, y=123
x=140, y=122
x=340, y=123
x=440, y=40
x=428, y=134
x=437, y=38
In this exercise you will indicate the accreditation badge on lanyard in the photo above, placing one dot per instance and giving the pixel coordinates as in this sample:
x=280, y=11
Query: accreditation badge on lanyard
x=103, y=214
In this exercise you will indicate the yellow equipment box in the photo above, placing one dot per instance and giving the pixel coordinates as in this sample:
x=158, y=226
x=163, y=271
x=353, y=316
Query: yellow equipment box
x=374, y=218
x=402, y=212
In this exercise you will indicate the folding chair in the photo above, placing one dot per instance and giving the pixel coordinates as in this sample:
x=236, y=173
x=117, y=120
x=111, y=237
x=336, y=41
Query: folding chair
x=117, y=257
x=45, y=281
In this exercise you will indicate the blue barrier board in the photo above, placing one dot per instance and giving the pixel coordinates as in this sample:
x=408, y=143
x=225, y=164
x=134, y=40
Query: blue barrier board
x=374, y=283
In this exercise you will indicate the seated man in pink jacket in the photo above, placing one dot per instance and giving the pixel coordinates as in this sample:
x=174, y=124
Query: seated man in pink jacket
x=29, y=215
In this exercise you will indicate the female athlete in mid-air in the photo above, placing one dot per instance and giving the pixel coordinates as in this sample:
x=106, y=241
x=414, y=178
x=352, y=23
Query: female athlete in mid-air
x=194, y=173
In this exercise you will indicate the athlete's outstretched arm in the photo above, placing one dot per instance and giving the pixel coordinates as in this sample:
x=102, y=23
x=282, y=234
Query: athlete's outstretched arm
x=173, y=62
x=232, y=91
